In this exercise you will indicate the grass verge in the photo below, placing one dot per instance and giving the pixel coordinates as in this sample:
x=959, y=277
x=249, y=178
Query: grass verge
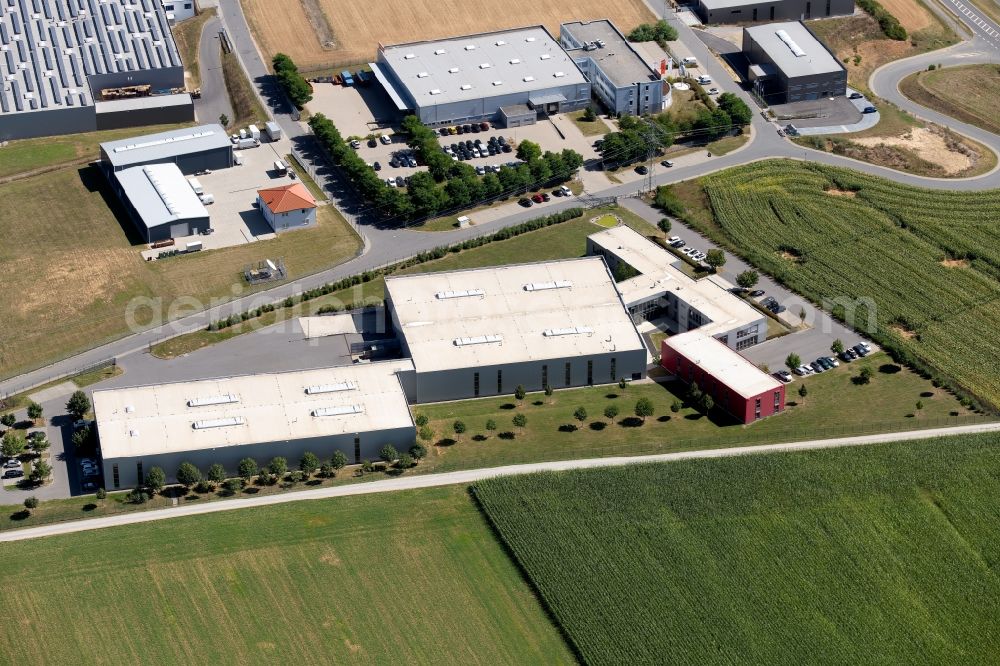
x=187, y=36
x=968, y=93
x=247, y=108
x=595, y=127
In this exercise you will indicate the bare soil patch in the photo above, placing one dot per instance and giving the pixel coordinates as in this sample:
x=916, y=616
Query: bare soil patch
x=833, y=192
x=955, y=263
x=912, y=15
x=932, y=145
x=903, y=332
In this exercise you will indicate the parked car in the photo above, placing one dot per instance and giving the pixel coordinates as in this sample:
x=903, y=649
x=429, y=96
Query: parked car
x=778, y=309
x=757, y=293
x=783, y=375
x=673, y=239
x=869, y=109
x=524, y=201
x=834, y=363
x=855, y=95
x=506, y=148
x=372, y=143
x=391, y=182
x=704, y=79
x=845, y=357
x=13, y=473
x=699, y=256
x=678, y=243
x=485, y=126
x=12, y=463
x=480, y=170
x=453, y=131
x=566, y=192
x=641, y=170
x=377, y=166
x=803, y=370
x=864, y=345
x=666, y=163
x=713, y=91
x=399, y=181
x=768, y=302
x=355, y=144
x=537, y=198
x=394, y=163
x=860, y=351
x=825, y=363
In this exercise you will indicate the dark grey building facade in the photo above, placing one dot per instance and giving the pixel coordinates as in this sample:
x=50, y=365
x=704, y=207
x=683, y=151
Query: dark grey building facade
x=789, y=64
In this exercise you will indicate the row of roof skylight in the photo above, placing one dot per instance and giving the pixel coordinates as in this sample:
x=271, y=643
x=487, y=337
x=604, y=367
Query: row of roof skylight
x=498, y=82
x=497, y=338
x=484, y=65
x=467, y=47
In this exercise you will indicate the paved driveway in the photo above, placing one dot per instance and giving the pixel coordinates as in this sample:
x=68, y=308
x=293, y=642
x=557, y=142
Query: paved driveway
x=214, y=97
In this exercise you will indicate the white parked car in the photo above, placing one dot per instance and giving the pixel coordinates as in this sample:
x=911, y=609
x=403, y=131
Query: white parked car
x=385, y=139
x=704, y=79
x=713, y=91
x=673, y=239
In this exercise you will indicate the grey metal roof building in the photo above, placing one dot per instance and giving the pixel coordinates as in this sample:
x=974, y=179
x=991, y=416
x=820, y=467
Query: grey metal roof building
x=161, y=202
x=789, y=64
x=743, y=11
x=620, y=76
x=191, y=149
x=470, y=78
x=57, y=55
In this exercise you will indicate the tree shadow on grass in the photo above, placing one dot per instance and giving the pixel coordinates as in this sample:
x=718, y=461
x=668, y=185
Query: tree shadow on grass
x=568, y=427
x=927, y=394
x=506, y=435
x=88, y=507
x=447, y=441
x=611, y=396
x=479, y=438
x=23, y=514
x=598, y=425
x=251, y=490
x=538, y=403
x=508, y=405
x=664, y=418
x=889, y=368
x=696, y=416
x=631, y=422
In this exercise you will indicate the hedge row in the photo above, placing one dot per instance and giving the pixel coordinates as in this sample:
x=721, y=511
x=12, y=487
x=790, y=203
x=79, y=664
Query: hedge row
x=294, y=84
x=430, y=255
x=890, y=24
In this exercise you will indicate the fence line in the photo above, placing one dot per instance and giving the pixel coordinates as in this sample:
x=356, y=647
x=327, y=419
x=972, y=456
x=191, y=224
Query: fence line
x=112, y=361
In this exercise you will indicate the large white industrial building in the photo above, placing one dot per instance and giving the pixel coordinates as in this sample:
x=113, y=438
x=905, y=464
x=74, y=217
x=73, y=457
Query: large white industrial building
x=509, y=76
x=663, y=290
x=356, y=409
x=484, y=331
x=63, y=64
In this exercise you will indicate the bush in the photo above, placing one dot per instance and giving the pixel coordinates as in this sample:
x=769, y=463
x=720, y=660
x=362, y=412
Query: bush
x=889, y=24
x=137, y=496
x=421, y=420
x=294, y=84
x=418, y=451
x=188, y=475
x=388, y=453
x=661, y=31
x=31, y=502
x=405, y=461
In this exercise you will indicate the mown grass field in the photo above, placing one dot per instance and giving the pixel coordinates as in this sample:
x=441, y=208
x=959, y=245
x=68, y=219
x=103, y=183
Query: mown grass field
x=877, y=555
x=413, y=577
x=918, y=268
x=71, y=270
x=968, y=93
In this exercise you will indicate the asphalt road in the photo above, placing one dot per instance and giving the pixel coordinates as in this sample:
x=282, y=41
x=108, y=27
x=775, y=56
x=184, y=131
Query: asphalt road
x=387, y=245
x=417, y=481
x=214, y=98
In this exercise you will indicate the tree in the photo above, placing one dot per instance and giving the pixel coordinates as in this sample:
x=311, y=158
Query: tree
x=224, y=120
x=706, y=403
x=491, y=425
x=803, y=391
x=39, y=444
x=611, y=413
x=519, y=392
x=920, y=405
x=837, y=347
x=34, y=411
x=736, y=108
x=405, y=461
x=793, y=361
x=676, y=406
x=81, y=438
x=247, y=469
x=155, y=479
x=78, y=404
x=101, y=494
x=388, y=453
x=622, y=384
x=548, y=391
x=232, y=486
x=459, y=428
x=278, y=467
x=694, y=392
x=418, y=451
x=715, y=258
x=338, y=461
x=580, y=414
x=216, y=473
x=589, y=115
x=664, y=225
x=30, y=503
x=309, y=463
x=8, y=420
x=13, y=444
x=865, y=376
x=519, y=420
x=528, y=151
x=421, y=420
x=40, y=470
x=188, y=474
x=643, y=408
x=747, y=279
x=137, y=496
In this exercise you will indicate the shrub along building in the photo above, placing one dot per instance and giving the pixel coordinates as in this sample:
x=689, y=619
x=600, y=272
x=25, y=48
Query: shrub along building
x=518, y=75
x=621, y=78
x=736, y=385
x=82, y=65
x=743, y=11
x=659, y=289
x=484, y=331
x=356, y=409
x=788, y=64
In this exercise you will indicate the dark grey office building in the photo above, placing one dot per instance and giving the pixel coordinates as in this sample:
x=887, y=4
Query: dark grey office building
x=745, y=11
x=789, y=64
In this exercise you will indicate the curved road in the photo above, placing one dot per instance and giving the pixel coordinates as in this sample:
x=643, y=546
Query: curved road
x=417, y=481
x=388, y=245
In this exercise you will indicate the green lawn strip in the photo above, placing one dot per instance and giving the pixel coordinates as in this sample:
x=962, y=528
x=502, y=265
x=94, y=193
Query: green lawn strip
x=413, y=577
x=187, y=36
x=874, y=555
x=596, y=127
x=834, y=406
x=247, y=108
x=306, y=179
x=967, y=93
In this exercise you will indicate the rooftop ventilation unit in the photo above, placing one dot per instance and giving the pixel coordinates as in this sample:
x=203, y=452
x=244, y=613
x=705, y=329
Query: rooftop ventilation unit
x=559, y=75
x=465, y=86
x=498, y=83
x=542, y=286
x=544, y=56
x=436, y=91
x=500, y=42
x=219, y=423
x=440, y=52
x=410, y=56
x=331, y=388
x=790, y=43
x=343, y=410
x=574, y=330
x=453, y=70
x=485, y=65
x=529, y=78
x=529, y=39
x=478, y=340
x=224, y=399
x=422, y=75
x=470, y=47
x=465, y=293
x=515, y=61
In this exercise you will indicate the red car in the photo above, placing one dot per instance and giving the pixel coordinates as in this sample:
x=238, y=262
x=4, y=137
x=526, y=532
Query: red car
x=484, y=126
x=537, y=198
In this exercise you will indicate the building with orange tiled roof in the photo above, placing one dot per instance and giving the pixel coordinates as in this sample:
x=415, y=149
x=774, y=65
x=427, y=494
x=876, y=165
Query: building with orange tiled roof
x=287, y=207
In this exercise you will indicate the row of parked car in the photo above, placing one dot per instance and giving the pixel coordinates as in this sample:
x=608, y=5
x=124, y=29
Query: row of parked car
x=542, y=197
x=470, y=149
x=468, y=128
x=690, y=252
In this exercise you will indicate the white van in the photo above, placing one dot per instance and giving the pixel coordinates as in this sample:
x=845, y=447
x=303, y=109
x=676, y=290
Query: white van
x=690, y=61
x=704, y=79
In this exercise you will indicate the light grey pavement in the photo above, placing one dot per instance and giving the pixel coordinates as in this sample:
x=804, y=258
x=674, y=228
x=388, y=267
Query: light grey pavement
x=417, y=481
x=387, y=245
x=214, y=97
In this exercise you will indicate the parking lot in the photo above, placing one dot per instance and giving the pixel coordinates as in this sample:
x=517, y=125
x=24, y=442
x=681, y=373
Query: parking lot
x=234, y=217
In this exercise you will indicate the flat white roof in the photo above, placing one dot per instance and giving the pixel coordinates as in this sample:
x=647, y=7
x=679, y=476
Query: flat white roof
x=160, y=194
x=794, y=49
x=489, y=64
x=659, y=273
x=723, y=363
x=511, y=314
x=251, y=409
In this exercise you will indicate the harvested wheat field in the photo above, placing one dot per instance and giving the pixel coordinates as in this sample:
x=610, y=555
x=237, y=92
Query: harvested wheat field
x=320, y=34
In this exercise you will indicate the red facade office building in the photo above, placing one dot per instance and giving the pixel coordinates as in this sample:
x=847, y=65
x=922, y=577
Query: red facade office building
x=736, y=385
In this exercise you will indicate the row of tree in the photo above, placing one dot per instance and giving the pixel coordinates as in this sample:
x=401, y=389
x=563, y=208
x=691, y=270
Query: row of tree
x=447, y=184
x=299, y=90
